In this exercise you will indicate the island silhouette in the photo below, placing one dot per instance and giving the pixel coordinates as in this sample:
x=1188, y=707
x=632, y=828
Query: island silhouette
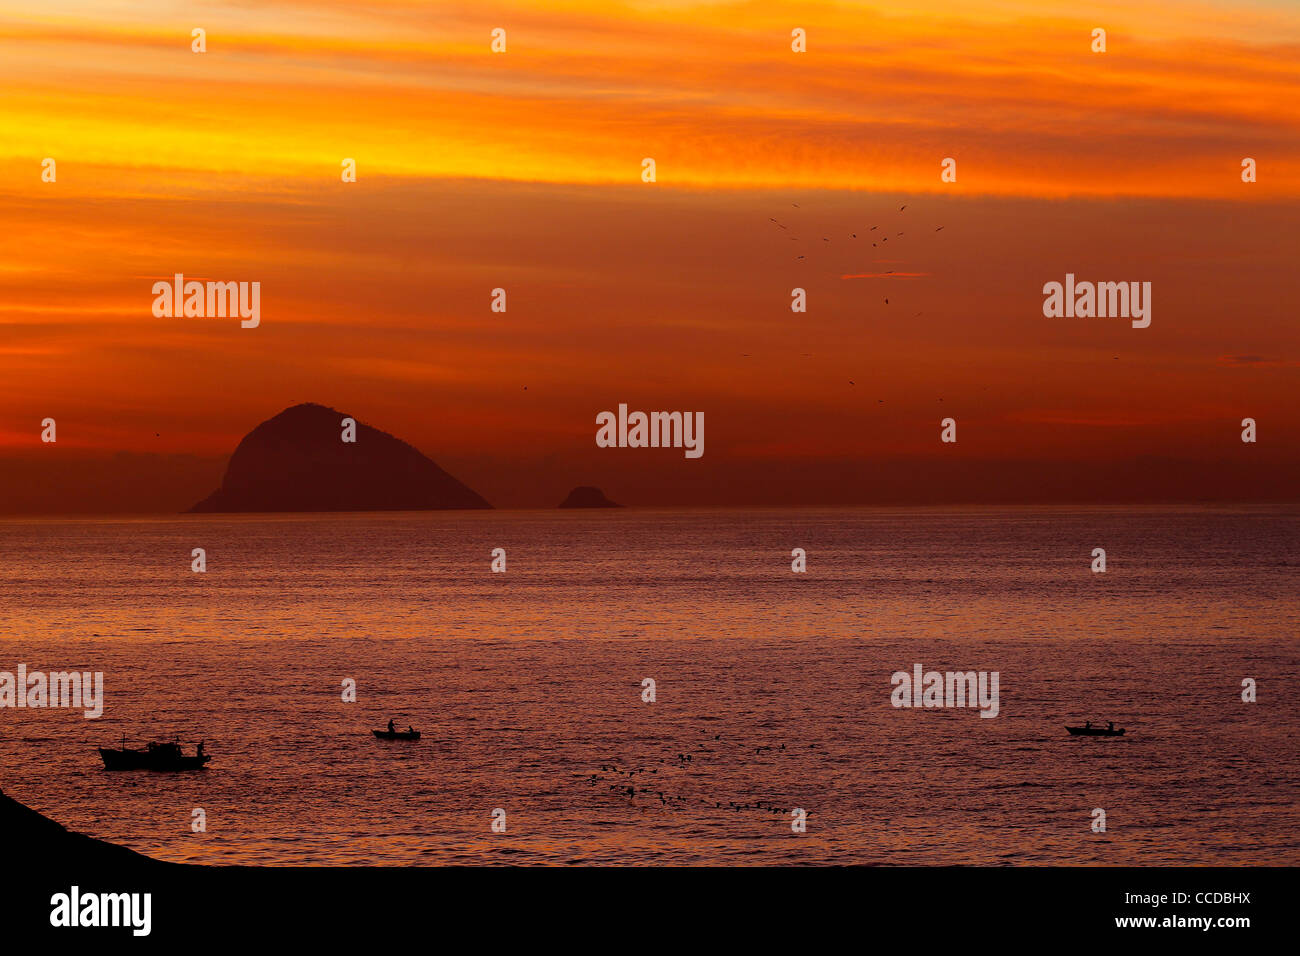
x=299, y=461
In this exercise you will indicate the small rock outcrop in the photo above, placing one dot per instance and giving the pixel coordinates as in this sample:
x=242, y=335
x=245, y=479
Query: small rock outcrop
x=585, y=496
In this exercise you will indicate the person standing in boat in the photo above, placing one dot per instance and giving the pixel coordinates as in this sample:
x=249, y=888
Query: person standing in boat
x=1111, y=725
x=1088, y=725
x=200, y=750
x=391, y=729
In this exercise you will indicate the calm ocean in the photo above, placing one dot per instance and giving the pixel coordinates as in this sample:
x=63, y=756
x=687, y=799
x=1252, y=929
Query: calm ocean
x=775, y=685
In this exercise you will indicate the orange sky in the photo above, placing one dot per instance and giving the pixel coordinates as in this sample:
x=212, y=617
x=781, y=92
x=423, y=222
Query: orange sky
x=522, y=170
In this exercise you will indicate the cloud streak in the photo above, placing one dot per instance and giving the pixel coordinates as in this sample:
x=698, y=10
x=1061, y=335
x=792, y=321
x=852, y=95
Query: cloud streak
x=712, y=91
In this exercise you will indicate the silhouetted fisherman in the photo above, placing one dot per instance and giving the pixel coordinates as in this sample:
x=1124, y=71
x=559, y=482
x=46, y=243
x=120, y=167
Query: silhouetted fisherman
x=391, y=728
x=1110, y=725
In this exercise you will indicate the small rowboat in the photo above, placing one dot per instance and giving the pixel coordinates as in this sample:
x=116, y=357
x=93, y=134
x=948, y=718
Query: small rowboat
x=1094, y=732
x=397, y=734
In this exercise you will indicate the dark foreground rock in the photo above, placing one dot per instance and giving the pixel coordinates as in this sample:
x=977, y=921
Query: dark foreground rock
x=39, y=842
x=298, y=461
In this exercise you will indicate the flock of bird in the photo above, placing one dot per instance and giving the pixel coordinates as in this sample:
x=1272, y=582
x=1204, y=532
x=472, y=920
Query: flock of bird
x=631, y=782
x=853, y=236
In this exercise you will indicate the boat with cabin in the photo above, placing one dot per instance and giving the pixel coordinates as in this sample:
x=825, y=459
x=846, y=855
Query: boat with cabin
x=154, y=756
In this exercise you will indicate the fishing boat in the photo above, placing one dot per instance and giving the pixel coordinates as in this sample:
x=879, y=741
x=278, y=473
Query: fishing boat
x=1094, y=731
x=397, y=734
x=155, y=756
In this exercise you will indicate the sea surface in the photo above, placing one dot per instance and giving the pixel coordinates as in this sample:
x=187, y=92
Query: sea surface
x=772, y=689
